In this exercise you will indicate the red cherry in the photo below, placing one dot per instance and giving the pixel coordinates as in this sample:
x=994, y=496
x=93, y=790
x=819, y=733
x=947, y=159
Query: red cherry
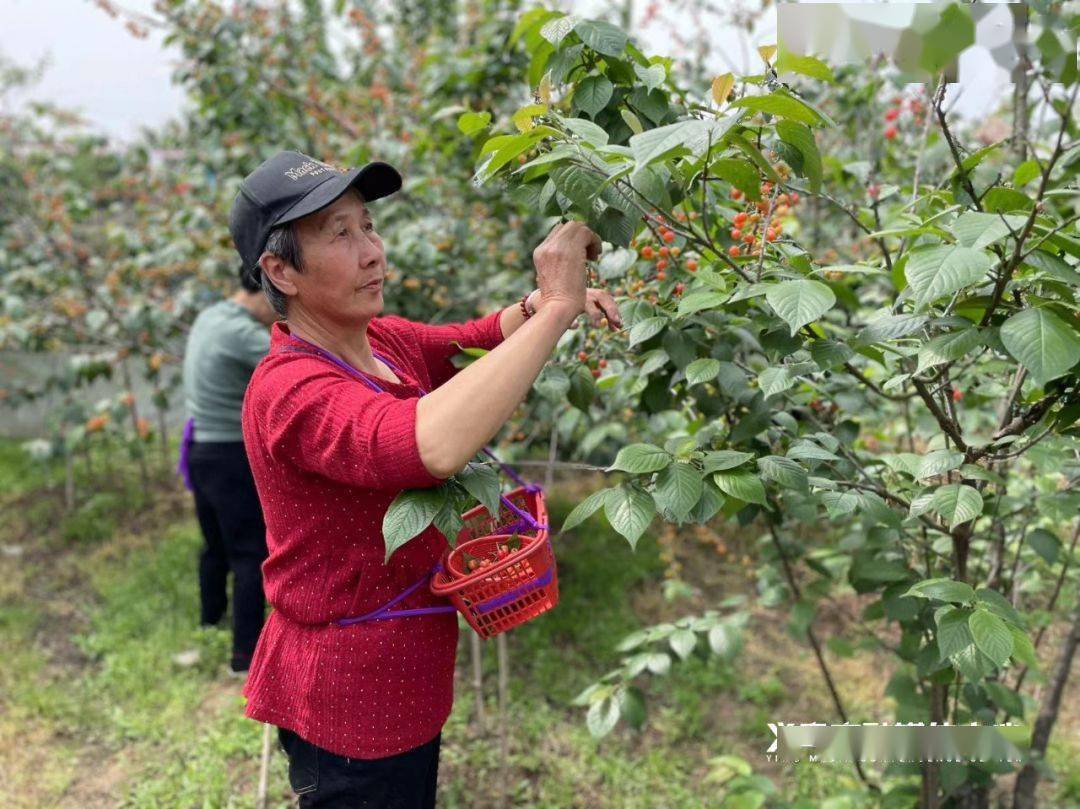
x=740, y=219
x=892, y=114
x=646, y=252
x=891, y=132
x=668, y=236
x=664, y=250
x=602, y=363
x=692, y=265
x=957, y=394
x=736, y=193
x=734, y=251
x=736, y=234
x=581, y=355
x=596, y=373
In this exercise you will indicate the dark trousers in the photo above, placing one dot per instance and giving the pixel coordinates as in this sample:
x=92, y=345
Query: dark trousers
x=323, y=779
x=230, y=516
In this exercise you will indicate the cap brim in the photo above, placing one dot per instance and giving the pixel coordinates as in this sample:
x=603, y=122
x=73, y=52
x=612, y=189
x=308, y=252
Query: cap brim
x=373, y=181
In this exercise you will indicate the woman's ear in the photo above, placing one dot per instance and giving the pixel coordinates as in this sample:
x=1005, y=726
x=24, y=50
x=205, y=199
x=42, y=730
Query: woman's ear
x=276, y=269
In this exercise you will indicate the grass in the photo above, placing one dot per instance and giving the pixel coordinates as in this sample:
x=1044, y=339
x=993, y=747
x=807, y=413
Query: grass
x=95, y=710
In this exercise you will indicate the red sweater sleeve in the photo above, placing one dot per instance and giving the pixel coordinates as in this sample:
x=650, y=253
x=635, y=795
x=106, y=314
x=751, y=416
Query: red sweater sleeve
x=325, y=423
x=436, y=342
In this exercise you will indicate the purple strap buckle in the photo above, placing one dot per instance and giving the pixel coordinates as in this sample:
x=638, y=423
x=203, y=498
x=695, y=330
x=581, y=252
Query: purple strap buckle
x=182, y=466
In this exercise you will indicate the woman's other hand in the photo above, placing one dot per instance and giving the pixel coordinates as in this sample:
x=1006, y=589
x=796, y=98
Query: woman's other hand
x=560, y=266
x=599, y=304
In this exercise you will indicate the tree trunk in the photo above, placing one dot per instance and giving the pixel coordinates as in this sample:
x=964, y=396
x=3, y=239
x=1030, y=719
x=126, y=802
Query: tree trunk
x=143, y=471
x=1024, y=792
x=504, y=689
x=1021, y=109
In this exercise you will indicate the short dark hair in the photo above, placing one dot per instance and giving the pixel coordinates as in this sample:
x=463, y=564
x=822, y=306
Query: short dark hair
x=284, y=244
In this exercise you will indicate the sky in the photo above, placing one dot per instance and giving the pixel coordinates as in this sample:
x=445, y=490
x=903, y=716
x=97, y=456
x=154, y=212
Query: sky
x=121, y=83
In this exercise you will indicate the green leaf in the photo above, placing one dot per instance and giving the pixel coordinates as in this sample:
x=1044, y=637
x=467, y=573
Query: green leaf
x=582, y=388
x=948, y=347
x=693, y=134
x=629, y=509
x=939, y=462
x=592, y=94
x=645, y=329
x=632, y=706
x=991, y=635
x=721, y=459
x=448, y=521
x=586, y=130
x=678, y=488
x=640, y=459
x=976, y=229
x=772, y=381
x=785, y=471
x=555, y=31
x=999, y=605
x=578, y=185
x=471, y=122
x=1045, y=544
x=802, y=138
x=742, y=174
x=724, y=640
x=1000, y=200
x=702, y=370
x=602, y=717
x=683, y=642
x=953, y=635
x=957, y=503
x=891, y=327
x=602, y=37
x=800, y=302
x=408, y=515
x=1042, y=342
x=788, y=62
x=585, y=509
x=632, y=121
x=943, y=590
x=1025, y=173
x=942, y=270
x=699, y=301
x=744, y=486
x=482, y=482
x=830, y=353
x=1023, y=648
x=809, y=451
x=652, y=76
x=781, y=105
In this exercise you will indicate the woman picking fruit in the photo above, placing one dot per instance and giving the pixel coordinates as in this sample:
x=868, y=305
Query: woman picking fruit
x=335, y=428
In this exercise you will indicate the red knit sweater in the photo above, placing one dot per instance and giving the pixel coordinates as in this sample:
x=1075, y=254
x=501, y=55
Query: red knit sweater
x=328, y=455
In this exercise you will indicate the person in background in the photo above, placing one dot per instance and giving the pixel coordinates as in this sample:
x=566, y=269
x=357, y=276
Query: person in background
x=225, y=343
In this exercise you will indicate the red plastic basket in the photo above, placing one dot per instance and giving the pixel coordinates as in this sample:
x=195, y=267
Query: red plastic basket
x=512, y=590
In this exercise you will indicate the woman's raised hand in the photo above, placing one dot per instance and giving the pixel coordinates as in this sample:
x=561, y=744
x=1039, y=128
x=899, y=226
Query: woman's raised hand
x=560, y=265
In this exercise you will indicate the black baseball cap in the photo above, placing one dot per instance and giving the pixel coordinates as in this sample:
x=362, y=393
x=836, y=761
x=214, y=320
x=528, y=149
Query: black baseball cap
x=291, y=185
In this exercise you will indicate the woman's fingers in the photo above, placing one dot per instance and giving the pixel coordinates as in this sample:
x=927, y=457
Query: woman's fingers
x=601, y=304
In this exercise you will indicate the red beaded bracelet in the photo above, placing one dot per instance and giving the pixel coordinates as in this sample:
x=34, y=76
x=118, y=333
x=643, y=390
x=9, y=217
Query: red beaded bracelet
x=525, y=309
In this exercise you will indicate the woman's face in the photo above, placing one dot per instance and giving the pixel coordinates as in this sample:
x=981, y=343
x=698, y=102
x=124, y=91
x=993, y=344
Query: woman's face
x=344, y=263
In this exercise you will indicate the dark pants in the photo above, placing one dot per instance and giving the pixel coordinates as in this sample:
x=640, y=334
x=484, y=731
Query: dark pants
x=323, y=779
x=230, y=516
